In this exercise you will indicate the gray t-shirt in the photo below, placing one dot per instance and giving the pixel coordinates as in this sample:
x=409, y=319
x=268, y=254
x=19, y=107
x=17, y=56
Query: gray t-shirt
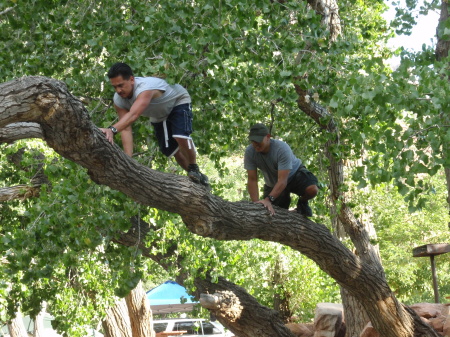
x=279, y=157
x=159, y=108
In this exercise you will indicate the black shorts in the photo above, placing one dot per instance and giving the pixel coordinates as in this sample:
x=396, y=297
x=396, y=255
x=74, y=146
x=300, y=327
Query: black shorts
x=298, y=184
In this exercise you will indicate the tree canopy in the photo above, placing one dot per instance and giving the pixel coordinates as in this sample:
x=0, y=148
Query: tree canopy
x=242, y=63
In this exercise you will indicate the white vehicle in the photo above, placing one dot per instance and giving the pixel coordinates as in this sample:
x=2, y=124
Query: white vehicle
x=192, y=326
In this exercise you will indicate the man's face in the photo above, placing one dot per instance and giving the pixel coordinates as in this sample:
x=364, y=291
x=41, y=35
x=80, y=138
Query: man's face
x=124, y=88
x=263, y=146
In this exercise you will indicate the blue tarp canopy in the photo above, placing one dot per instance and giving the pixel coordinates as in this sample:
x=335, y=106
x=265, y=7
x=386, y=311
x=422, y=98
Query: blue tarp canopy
x=169, y=297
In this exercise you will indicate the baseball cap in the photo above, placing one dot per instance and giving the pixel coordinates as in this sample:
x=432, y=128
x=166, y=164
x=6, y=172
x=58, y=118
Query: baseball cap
x=258, y=132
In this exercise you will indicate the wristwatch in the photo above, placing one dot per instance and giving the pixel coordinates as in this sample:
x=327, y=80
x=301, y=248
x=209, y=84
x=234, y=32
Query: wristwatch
x=113, y=129
x=271, y=198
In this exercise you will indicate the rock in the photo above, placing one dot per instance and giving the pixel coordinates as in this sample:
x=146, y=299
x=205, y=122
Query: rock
x=430, y=310
x=435, y=314
x=328, y=320
x=446, y=327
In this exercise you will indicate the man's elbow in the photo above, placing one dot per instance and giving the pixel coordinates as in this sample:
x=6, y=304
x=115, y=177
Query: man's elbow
x=283, y=184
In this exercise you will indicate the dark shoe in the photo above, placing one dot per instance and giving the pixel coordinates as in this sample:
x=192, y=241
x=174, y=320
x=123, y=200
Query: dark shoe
x=197, y=177
x=303, y=208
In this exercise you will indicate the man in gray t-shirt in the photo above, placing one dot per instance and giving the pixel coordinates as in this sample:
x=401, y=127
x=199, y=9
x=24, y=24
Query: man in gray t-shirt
x=283, y=173
x=169, y=110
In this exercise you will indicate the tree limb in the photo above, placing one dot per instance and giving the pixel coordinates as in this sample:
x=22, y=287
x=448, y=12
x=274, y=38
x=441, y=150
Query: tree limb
x=68, y=130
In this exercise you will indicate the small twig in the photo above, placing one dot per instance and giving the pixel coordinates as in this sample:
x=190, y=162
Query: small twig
x=8, y=10
x=272, y=116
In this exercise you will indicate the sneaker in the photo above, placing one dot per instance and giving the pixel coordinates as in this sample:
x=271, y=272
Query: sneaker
x=304, y=209
x=197, y=177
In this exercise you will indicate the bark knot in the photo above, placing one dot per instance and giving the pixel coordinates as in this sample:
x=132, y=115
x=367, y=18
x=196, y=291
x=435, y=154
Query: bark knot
x=49, y=103
x=223, y=304
x=198, y=225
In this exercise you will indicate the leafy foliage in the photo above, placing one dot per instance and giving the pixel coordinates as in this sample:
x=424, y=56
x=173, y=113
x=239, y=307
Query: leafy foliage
x=239, y=61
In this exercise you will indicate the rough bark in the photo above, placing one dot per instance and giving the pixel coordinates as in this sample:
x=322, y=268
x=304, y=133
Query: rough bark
x=68, y=130
x=238, y=311
x=443, y=45
x=344, y=219
x=117, y=322
x=139, y=313
x=16, y=327
x=17, y=131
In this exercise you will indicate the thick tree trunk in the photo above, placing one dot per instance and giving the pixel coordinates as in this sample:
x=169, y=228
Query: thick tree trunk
x=16, y=327
x=442, y=51
x=68, y=130
x=39, y=322
x=356, y=317
x=344, y=220
x=139, y=313
x=117, y=322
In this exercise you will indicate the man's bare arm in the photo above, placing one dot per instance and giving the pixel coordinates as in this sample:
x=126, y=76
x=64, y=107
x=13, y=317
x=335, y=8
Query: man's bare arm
x=281, y=183
x=138, y=107
x=252, y=185
x=127, y=118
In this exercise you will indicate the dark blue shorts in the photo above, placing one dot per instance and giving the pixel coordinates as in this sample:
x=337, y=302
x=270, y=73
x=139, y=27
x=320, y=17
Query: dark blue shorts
x=177, y=125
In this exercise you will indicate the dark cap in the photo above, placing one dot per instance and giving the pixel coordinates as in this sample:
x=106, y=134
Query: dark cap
x=258, y=132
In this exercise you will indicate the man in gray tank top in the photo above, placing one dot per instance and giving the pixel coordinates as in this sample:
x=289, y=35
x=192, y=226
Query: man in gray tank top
x=169, y=110
x=283, y=173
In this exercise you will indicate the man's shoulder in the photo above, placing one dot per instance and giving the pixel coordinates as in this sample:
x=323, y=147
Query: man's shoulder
x=120, y=102
x=249, y=150
x=143, y=81
x=279, y=144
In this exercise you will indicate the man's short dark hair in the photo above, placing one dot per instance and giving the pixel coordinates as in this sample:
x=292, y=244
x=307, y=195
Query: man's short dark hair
x=120, y=69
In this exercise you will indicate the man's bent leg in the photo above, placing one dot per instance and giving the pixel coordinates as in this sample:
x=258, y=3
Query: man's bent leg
x=310, y=193
x=305, y=185
x=180, y=124
x=181, y=160
x=187, y=152
x=187, y=159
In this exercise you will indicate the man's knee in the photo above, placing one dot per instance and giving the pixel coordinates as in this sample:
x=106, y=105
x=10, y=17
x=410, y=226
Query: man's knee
x=184, y=143
x=311, y=191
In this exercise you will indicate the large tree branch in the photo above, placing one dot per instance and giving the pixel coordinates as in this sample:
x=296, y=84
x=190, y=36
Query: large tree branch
x=238, y=310
x=68, y=130
x=17, y=131
x=232, y=305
